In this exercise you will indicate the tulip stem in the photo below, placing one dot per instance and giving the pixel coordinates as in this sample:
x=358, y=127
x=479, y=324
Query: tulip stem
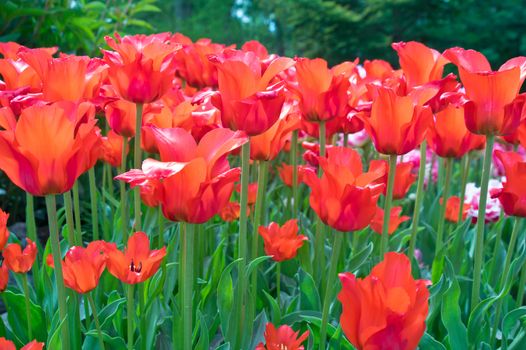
x=57, y=261
x=28, y=309
x=131, y=315
x=242, y=253
x=160, y=224
x=137, y=158
x=319, y=248
x=124, y=211
x=522, y=284
x=278, y=283
x=76, y=205
x=384, y=246
x=294, y=163
x=504, y=275
x=68, y=206
x=464, y=171
x=32, y=231
x=93, y=197
x=338, y=240
x=96, y=318
x=442, y=214
x=481, y=216
x=142, y=311
x=187, y=281
x=418, y=200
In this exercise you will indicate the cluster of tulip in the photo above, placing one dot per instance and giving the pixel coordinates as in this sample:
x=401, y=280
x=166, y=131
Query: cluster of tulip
x=186, y=110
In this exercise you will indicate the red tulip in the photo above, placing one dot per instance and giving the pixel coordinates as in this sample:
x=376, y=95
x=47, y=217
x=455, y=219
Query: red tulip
x=50, y=147
x=404, y=177
x=282, y=338
x=492, y=106
x=282, y=243
x=18, y=260
x=252, y=192
x=512, y=195
x=137, y=263
x=248, y=99
x=394, y=221
x=4, y=277
x=121, y=116
x=142, y=67
x=285, y=174
x=8, y=345
x=4, y=232
x=344, y=197
x=230, y=212
x=453, y=207
x=112, y=149
x=385, y=310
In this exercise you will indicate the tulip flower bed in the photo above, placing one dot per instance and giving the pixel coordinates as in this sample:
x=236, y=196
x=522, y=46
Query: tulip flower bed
x=204, y=197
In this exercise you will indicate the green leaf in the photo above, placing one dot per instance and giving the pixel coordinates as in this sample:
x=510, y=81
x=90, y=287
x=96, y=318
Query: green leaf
x=274, y=307
x=204, y=342
x=16, y=314
x=108, y=312
x=358, y=259
x=225, y=299
x=255, y=263
x=115, y=343
x=451, y=316
x=429, y=343
x=510, y=320
x=309, y=295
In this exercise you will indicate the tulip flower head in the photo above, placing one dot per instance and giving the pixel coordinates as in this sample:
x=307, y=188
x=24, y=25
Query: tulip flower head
x=18, y=260
x=230, y=212
x=512, y=195
x=4, y=232
x=4, y=277
x=453, y=208
x=285, y=174
x=385, y=310
x=112, y=149
x=282, y=243
x=137, y=263
x=395, y=220
x=9, y=345
x=404, y=177
x=282, y=338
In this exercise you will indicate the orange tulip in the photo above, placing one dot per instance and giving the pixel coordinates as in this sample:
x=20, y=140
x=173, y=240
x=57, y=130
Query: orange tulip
x=142, y=67
x=252, y=192
x=398, y=124
x=282, y=338
x=394, y=221
x=385, y=310
x=4, y=277
x=121, y=116
x=453, y=207
x=512, y=195
x=137, y=263
x=18, y=260
x=344, y=197
x=449, y=137
x=82, y=267
x=282, y=243
x=248, y=99
x=4, y=232
x=285, y=174
x=194, y=181
x=50, y=147
x=230, y=212
x=420, y=63
x=10, y=49
x=112, y=149
x=9, y=345
x=492, y=105
x=404, y=177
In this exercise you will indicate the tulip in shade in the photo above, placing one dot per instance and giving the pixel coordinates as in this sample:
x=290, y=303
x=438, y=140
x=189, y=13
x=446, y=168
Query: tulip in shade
x=4, y=277
x=404, y=177
x=344, y=197
x=385, y=310
x=9, y=345
x=282, y=338
x=50, y=147
x=82, y=267
x=282, y=243
x=142, y=67
x=493, y=105
x=4, y=232
x=512, y=195
x=395, y=220
x=285, y=174
x=230, y=212
x=137, y=263
x=453, y=207
x=112, y=149
x=121, y=116
x=248, y=98
x=18, y=260
x=252, y=192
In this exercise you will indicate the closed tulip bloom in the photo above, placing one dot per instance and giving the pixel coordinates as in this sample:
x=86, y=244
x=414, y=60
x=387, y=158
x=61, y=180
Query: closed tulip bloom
x=491, y=106
x=50, y=147
x=18, y=260
x=453, y=208
x=137, y=263
x=4, y=277
x=282, y=338
x=448, y=136
x=385, y=310
x=248, y=98
x=193, y=181
x=282, y=243
x=512, y=195
x=285, y=174
x=395, y=220
x=4, y=232
x=230, y=212
x=112, y=149
x=404, y=177
x=397, y=124
x=82, y=267
x=121, y=116
x=344, y=197
x=142, y=67
x=420, y=63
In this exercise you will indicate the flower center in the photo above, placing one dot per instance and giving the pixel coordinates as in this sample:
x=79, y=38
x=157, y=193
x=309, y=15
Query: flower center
x=135, y=268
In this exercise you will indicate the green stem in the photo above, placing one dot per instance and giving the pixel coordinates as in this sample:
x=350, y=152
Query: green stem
x=93, y=197
x=338, y=239
x=522, y=284
x=442, y=215
x=187, y=280
x=418, y=200
x=137, y=159
x=294, y=163
x=319, y=249
x=76, y=204
x=142, y=312
x=466, y=160
x=68, y=206
x=131, y=315
x=32, y=231
x=124, y=199
x=57, y=261
x=160, y=225
x=96, y=318
x=28, y=309
x=278, y=283
x=479, y=244
x=384, y=246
